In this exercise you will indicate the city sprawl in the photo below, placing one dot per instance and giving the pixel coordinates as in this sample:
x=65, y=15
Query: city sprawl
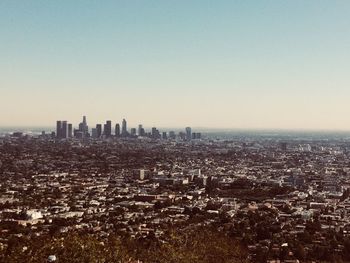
x=279, y=198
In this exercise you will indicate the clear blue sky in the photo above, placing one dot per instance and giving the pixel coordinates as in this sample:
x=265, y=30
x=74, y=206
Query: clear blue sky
x=220, y=64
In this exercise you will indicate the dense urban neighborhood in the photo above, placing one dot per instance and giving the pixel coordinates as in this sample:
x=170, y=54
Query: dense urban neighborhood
x=263, y=198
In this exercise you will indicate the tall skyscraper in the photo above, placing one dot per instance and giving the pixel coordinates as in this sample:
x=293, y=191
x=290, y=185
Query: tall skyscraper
x=188, y=133
x=94, y=133
x=108, y=129
x=124, y=128
x=84, y=121
x=59, y=129
x=70, y=130
x=65, y=129
x=140, y=130
x=117, y=130
x=182, y=135
x=98, y=130
x=155, y=133
x=62, y=129
x=172, y=135
x=83, y=127
x=133, y=132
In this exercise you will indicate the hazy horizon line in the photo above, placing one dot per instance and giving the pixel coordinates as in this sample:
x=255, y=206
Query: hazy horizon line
x=202, y=128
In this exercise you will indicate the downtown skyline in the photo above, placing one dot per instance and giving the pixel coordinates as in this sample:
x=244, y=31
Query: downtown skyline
x=67, y=130
x=228, y=64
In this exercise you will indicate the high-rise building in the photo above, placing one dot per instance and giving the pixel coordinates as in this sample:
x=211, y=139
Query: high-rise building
x=124, y=128
x=70, y=130
x=155, y=133
x=182, y=135
x=83, y=128
x=59, y=129
x=133, y=132
x=164, y=136
x=78, y=134
x=188, y=133
x=141, y=130
x=64, y=129
x=98, y=130
x=117, y=130
x=94, y=133
x=108, y=129
x=172, y=135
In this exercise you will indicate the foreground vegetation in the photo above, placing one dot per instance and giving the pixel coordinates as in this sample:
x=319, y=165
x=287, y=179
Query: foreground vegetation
x=188, y=247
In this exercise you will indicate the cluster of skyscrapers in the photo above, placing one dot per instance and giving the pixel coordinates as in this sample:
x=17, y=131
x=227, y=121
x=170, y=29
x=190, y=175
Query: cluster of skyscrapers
x=64, y=130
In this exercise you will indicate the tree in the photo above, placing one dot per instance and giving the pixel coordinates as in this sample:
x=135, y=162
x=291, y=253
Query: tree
x=190, y=246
